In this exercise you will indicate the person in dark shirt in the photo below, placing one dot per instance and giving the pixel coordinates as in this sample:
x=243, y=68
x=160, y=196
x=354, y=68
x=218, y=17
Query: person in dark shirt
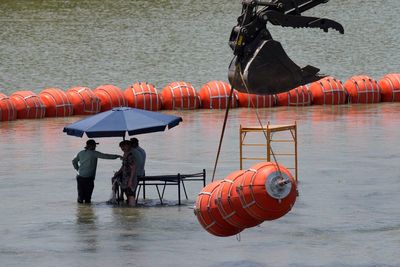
x=126, y=175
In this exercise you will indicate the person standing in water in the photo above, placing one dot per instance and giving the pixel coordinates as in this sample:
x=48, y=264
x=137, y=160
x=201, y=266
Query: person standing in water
x=85, y=163
x=127, y=174
x=140, y=155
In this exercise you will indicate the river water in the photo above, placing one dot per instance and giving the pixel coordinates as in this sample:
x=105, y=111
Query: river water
x=347, y=212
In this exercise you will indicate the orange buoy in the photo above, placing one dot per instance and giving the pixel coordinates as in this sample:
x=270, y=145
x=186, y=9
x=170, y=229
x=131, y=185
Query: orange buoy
x=110, y=96
x=28, y=105
x=208, y=214
x=143, y=96
x=7, y=109
x=229, y=205
x=362, y=90
x=390, y=87
x=267, y=192
x=83, y=100
x=56, y=102
x=299, y=96
x=180, y=95
x=215, y=94
x=256, y=101
x=328, y=91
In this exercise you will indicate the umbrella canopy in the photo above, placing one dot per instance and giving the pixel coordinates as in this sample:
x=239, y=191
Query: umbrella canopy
x=119, y=121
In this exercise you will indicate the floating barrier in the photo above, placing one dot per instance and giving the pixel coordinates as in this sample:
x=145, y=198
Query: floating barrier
x=328, y=91
x=390, y=87
x=110, y=97
x=7, y=109
x=208, y=214
x=229, y=205
x=362, y=90
x=215, y=94
x=255, y=101
x=56, y=102
x=83, y=100
x=299, y=96
x=262, y=195
x=266, y=191
x=143, y=96
x=28, y=105
x=180, y=95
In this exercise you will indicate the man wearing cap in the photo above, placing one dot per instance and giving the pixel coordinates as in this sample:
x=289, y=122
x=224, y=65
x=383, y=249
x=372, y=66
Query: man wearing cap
x=85, y=163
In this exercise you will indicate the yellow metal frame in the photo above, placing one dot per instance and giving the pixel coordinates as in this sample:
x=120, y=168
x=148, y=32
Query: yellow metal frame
x=268, y=130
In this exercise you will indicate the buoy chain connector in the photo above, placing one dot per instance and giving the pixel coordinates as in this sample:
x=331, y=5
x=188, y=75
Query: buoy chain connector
x=278, y=185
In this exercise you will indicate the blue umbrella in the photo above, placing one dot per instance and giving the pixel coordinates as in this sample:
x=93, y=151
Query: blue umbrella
x=119, y=121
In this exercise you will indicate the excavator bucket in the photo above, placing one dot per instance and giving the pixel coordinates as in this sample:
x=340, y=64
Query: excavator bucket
x=269, y=71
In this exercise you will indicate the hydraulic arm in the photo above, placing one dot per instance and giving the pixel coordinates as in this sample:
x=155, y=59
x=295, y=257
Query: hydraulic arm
x=260, y=65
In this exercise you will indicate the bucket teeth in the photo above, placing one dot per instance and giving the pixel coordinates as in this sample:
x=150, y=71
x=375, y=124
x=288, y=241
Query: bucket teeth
x=269, y=71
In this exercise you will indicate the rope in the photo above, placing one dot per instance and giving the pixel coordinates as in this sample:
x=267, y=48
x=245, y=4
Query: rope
x=222, y=132
x=228, y=105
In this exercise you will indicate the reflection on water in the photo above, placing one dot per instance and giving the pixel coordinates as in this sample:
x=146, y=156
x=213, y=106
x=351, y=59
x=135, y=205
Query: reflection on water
x=85, y=215
x=86, y=224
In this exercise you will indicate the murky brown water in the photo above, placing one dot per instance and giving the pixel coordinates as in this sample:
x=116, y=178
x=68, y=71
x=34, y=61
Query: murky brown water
x=347, y=213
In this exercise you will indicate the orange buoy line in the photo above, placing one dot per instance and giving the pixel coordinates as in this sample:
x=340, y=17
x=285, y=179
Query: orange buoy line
x=110, y=97
x=390, y=88
x=259, y=101
x=300, y=96
x=83, y=100
x=215, y=95
x=328, y=91
x=28, y=105
x=80, y=100
x=56, y=102
x=244, y=199
x=7, y=109
x=143, y=96
x=180, y=95
x=362, y=90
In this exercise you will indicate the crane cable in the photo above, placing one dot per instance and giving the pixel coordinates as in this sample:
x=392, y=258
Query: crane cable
x=227, y=112
x=226, y=119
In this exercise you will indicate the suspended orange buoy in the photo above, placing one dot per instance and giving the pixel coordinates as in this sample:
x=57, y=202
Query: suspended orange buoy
x=83, y=100
x=266, y=191
x=215, y=94
x=229, y=205
x=7, y=109
x=208, y=214
x=28, y=105
x=56, y=102
x=180, y=95
x=256, y=101
x=362, y=90
x=390, y=87
x=299, y=96
x=143, y=96
x=110, y=96
x=328, y=91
